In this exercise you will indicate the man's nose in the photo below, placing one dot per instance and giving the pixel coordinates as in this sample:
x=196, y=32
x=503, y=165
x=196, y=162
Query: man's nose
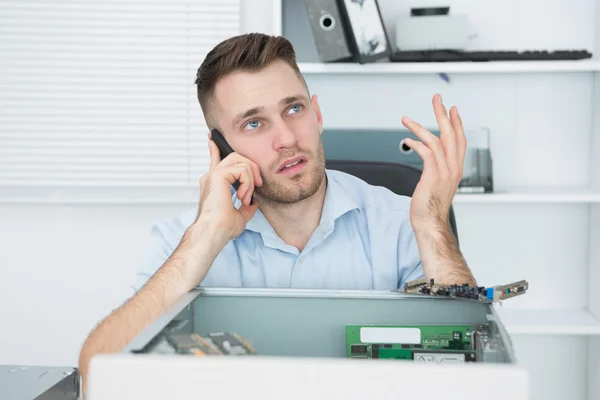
x=284, y=136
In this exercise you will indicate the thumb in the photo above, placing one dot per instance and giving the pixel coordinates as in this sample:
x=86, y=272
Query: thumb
x=248, y=211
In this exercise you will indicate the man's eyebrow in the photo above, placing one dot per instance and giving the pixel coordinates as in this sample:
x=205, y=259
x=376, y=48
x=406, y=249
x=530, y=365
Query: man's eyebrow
x=246, y=114
x=293, y=99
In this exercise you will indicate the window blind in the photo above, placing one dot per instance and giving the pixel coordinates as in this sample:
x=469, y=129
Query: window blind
x=102, y=93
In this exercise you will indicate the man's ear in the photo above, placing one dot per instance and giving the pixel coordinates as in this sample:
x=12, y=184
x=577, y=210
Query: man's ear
x=315, y=105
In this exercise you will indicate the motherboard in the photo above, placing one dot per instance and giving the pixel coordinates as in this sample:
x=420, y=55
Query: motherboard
x=491, y=294
x=438, y=344
x=213, y=344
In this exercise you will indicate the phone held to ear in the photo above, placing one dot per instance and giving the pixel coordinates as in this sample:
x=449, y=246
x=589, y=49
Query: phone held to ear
x=225, y=150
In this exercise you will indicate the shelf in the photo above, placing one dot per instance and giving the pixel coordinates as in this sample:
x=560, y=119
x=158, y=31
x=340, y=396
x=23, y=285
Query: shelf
x=550, y=322
x=535, y=195
x=451, y=67
x=175, y=194
x=188, y=194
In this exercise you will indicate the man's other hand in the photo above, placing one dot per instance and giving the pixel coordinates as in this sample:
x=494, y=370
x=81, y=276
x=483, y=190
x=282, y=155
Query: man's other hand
x=442, y=167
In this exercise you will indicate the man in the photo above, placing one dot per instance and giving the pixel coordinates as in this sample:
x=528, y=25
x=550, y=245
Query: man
x=307, y=227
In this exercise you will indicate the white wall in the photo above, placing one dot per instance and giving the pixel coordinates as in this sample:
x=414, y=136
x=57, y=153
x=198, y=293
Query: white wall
x=67, y=257
x=64, y=267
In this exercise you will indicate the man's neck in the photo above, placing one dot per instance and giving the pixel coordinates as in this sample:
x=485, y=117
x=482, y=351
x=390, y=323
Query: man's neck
x=295, y=223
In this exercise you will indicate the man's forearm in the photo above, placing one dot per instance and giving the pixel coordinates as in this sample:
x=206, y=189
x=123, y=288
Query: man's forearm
x=189, y=262
x=441, y=257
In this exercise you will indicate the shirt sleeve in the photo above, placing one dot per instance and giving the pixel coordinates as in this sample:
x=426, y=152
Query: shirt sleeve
x=157, y=251
x=164, y=238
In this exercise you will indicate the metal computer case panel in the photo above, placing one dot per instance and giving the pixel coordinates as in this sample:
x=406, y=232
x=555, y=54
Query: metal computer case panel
x=310, y=323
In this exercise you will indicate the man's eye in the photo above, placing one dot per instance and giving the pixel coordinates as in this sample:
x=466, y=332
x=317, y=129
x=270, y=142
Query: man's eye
x=252, y=124
x=295, y=108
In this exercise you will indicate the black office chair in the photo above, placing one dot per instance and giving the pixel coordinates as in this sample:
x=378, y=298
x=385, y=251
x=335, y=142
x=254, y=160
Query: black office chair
x=400, y=178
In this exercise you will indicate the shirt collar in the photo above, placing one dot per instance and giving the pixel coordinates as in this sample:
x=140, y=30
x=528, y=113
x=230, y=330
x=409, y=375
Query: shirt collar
x=337, y=200
x=337, y=203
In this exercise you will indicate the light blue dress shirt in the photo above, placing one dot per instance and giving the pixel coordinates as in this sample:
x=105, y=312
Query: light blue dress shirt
x=364, y=241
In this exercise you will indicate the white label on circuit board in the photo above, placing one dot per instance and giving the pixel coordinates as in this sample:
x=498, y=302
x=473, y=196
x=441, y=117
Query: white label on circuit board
x=390, y=335
x=439, y=358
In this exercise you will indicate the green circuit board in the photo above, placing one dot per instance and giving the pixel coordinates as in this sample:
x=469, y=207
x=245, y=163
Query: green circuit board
x=424, y=343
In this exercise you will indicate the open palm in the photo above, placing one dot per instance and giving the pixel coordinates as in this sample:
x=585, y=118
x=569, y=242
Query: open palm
x=443, y=159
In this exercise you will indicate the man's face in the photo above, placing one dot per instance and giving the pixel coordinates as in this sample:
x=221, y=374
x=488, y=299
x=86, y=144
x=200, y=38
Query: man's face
x=267, y=117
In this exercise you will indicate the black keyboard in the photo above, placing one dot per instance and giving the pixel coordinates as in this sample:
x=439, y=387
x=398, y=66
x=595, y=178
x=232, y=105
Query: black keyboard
x=457, y=55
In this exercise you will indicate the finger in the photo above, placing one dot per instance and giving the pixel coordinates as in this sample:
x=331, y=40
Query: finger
x=441, y=116
x=246, y=185
x=461, y=140
x=258, y=181
x=215, y=156
x=245, y=196
x=248, y=211
x=430, y=167
x=253, y=170
x=236, y=158
x=239, y=173
x=429, y=140
x=447, y=134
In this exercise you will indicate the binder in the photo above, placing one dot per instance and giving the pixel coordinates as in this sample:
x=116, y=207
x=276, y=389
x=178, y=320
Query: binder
x=328, y=30
x=365, y=30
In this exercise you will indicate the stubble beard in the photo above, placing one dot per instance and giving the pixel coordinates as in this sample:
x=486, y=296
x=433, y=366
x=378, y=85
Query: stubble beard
x=295, y=189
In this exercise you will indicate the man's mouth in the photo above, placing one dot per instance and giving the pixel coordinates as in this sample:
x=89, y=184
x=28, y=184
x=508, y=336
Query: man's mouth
x=292, y=164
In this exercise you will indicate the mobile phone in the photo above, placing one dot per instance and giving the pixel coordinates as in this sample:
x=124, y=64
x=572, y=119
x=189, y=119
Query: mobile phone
x=225, y=150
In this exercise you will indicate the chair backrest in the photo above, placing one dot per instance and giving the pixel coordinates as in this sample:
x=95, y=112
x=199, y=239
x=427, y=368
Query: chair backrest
x=400, y=178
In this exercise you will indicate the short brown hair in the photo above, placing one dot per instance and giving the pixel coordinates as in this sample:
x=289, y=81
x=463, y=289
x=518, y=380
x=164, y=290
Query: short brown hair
x=246, y=52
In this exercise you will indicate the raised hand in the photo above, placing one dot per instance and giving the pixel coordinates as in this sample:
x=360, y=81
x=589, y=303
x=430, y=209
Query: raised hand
x=216, y=208
x=443, y=159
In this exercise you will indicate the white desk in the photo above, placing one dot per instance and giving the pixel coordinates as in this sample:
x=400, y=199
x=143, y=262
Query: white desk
x=159, y=377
